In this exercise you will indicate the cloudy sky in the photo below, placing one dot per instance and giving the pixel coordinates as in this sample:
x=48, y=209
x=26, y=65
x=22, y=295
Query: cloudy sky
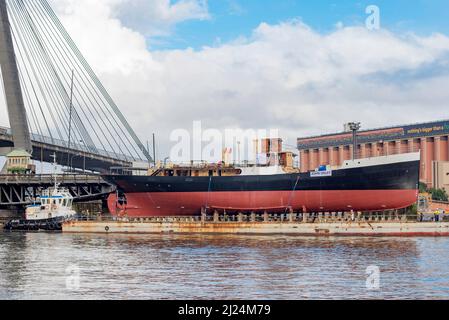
x=289, y=64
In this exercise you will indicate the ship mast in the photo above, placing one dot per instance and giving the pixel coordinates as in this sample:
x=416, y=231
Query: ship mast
x=54, y=171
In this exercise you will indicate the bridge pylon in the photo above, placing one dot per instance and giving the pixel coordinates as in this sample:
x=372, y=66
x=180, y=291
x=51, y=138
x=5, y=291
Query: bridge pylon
x=13, y=91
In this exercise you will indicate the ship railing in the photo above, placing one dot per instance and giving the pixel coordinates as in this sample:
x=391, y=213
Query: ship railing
x=194, y=165
x=203, y=164
x=102, y=218
x=336, y=217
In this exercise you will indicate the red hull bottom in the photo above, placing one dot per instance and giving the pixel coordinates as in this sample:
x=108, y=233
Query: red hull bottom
x=190, y=203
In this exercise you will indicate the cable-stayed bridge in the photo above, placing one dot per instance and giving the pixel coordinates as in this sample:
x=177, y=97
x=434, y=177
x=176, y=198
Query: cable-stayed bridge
x=55, y=101
x=77, y=156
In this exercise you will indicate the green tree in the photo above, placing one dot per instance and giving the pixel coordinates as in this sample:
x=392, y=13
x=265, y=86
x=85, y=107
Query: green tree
x=439, y=194
x=412, y=210
x=422, y=187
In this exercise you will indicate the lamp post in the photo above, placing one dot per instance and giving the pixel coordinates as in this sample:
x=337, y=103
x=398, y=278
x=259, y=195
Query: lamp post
x=71, y=162
x=77, y=155
x=84, y=156
x=354, y=127
x=238, y=152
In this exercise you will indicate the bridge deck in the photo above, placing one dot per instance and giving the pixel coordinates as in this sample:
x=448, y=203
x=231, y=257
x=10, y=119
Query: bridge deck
x=48, y=179
x=76, y=157
x=19, y=190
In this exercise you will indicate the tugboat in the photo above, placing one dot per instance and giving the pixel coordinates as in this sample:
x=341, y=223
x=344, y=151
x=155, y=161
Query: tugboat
x=54, y=209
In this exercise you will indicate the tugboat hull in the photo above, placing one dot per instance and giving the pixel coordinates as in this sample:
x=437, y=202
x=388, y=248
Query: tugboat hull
x=35, y=225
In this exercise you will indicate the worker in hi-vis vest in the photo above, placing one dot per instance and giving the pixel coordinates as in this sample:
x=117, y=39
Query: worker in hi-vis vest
x=437, y=215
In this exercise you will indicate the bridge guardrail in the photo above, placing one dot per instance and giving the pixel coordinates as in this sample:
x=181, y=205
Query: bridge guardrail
x=76, y=146
x=71, y=178
x=81, y=148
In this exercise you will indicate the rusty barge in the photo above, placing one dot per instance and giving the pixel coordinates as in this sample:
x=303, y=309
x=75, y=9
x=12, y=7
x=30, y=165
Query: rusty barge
x=325, y=224
x=352, y=199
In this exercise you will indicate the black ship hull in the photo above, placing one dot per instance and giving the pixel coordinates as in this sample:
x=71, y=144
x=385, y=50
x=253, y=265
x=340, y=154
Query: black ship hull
x=368, y=188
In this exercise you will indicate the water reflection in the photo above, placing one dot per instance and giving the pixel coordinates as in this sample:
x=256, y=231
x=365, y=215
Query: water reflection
x=225, y=267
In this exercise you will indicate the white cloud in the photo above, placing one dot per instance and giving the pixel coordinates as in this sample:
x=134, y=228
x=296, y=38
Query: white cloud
x=149, y=17
x=235, y=8
x=157, y=17
x=285, y=76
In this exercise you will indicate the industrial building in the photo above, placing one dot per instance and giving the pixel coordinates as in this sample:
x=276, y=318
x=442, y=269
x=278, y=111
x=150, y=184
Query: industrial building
x=431, y=139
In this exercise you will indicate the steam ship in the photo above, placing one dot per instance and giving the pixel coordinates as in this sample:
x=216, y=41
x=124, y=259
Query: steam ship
x=371, y=184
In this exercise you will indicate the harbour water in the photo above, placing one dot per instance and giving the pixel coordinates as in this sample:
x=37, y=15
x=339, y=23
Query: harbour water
x=77, y=266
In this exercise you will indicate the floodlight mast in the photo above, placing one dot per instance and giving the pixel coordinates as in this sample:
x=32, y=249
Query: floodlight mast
x=354, y=127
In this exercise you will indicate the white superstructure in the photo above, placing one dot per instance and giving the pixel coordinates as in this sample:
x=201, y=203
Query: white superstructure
x=56, y=203
x=376, y=161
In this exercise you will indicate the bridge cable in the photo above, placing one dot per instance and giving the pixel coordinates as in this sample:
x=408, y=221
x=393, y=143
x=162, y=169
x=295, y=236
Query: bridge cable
x=48, y=67
x=111, y=125
x=95, y=79
x=30, y=57
x=63, y=96
x=32, y=85
x=54, y=75
x=48, y=56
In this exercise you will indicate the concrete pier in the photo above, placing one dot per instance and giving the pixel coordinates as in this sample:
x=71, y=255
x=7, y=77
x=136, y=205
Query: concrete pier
x=11, y=83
